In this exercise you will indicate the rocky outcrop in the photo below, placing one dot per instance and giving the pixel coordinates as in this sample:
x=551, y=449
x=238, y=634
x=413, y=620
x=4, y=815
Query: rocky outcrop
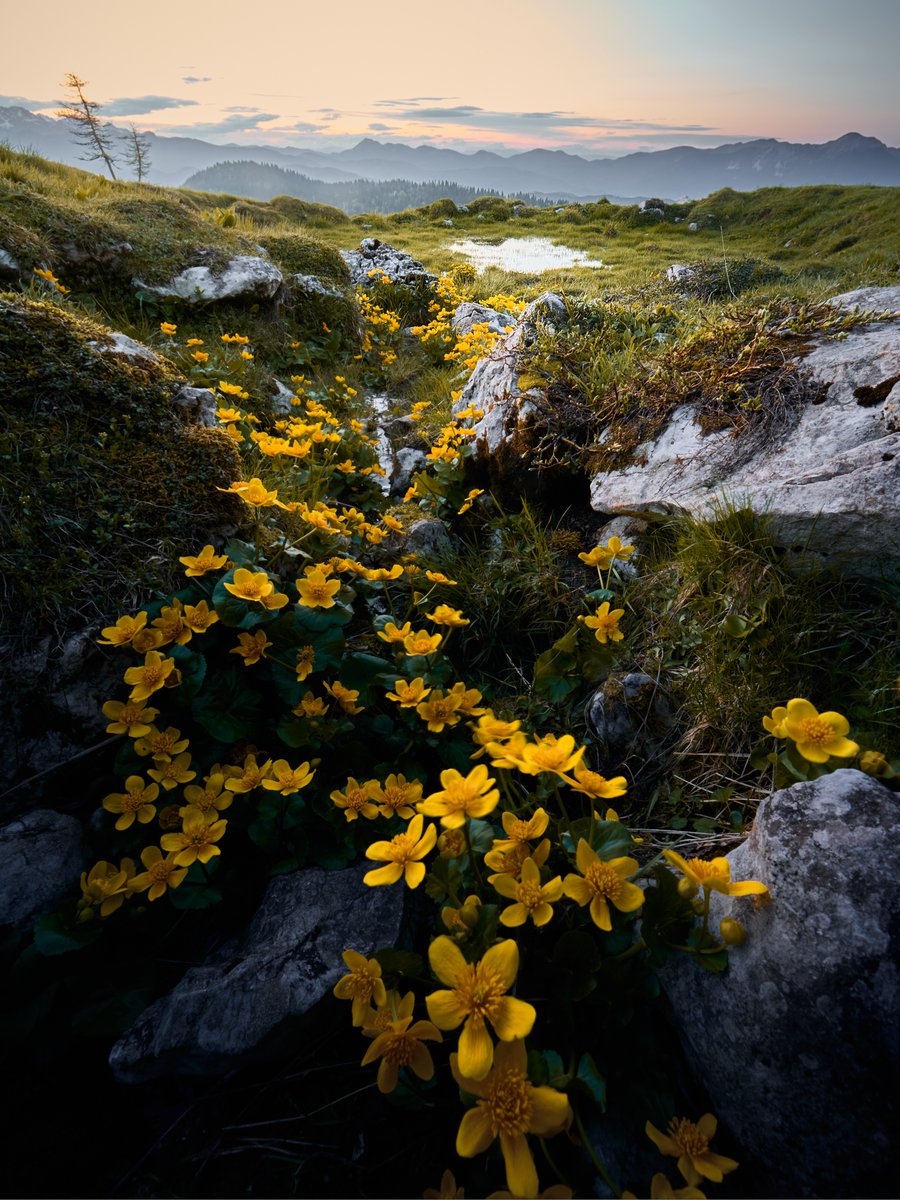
x=470, y=313
x=829, y=479
x=374, y=257
x=222, y=1013
x=41, y=857
x=246, y=278
x=798, y=1043
x=505, y=436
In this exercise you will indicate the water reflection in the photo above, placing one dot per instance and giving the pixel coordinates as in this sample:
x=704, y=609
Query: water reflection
x=530, y=255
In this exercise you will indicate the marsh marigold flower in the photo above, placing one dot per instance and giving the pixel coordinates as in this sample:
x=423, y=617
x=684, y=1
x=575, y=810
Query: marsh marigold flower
x=306, y=658
x=400, y=1045
x=509, y=1107
x=346, y=697
x=598, y=786
x=603, y=557
x=160, y=873
x=818, y=736
x=287, y=779
x=356, y=800
x=149, y=678
x=395, y=634
x=250, y=585
x=251, y=647
x=452, y=618
x=476, y=996
x=531, y=898
x=105, y=888
x=172, y=771
x=519, y=831
x=447, y=1191
x=440, y=711
x=208, y=799
x=408, y=693
x=397, y=796
x=122, y=633
x=198, y=617
x=605, y=623
x=603, y=883
x=714, y=875
x=135, y=803
x=689, y=1143
x=196, y=840
x=403, y=855
x=249, y=776
x=161, y=743
x=317, y=591
x=551, y=753
x=472, y=795
x=421, y=642
x=133, y=717
x=362, y=985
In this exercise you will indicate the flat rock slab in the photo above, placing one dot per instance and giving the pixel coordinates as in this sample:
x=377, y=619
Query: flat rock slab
x=41, y=858
x=798, y=1042
x=830, y=483
x=289, y=959
x=245, y=277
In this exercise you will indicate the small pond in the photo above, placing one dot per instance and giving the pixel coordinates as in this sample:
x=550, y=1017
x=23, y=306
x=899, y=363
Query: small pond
x=531, y=255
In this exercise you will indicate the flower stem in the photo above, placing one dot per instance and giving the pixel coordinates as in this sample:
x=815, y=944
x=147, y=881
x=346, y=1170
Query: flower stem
x=601, y=1170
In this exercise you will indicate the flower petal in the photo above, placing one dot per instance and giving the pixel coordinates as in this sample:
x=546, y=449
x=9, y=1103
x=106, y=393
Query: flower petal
x=578, y=889
x=585, y=856
x=383, y=875
x=446, y=1009
x=600, y=914
x=446, y=960
x=502, y=960
x=476, y=1050
x=521, y=1174
x=662, y=1141
x=550, y=1111
x=629, y=898
x=475, y=1133
x=513, y=1018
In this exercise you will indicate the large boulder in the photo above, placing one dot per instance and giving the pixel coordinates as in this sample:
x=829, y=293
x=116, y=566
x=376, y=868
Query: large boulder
x=374, y=257
x=470, y=313
x=798, y=1043
x=830, y=482
x=224, y=1012
x=246, y=278
x=41, y=857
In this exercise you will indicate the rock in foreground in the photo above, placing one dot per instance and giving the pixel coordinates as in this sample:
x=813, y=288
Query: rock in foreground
x=289, y=959
x=798, y=1043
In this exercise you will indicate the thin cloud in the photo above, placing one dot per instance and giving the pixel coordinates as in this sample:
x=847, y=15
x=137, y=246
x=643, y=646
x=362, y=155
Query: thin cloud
x=196, y=79
x=31, y=105
x=236, y=123
x=130, y=106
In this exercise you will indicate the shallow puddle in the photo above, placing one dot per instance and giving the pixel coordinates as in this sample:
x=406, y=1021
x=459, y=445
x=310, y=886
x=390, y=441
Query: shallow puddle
x=531, y=255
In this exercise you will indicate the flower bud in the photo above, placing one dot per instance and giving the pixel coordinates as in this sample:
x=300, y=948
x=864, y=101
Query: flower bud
x=874, y=763
x=732, y=932
x=687, y=888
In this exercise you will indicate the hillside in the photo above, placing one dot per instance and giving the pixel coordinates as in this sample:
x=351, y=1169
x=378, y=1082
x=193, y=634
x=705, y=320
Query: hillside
x=443, y=703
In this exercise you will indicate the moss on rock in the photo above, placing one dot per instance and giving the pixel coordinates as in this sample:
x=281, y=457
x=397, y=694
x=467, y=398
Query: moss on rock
x=103, y=484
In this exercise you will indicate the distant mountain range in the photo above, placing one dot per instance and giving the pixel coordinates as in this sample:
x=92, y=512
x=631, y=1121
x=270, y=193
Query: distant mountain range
x=680, y=173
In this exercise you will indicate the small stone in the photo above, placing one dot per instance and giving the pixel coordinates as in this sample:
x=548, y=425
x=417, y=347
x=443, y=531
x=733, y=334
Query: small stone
x=428, y=538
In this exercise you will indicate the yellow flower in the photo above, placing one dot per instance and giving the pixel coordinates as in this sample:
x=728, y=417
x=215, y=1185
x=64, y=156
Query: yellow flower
x=509, y=1107
x=210, y=798
x=356, y=800
x=476, y=995
x=467, y=700
x=605, y=624
x=196, y=841
x=346, y=697
x=173, y=772
x=194, y=342
x=249, y=776
x=409, y=693
x=306, y=658
x=596, y=785
x=168, y=328
x=317, y=591
x=440, y=711
x=603, y=883
x=135, y=802
x=464, y=918
x=362, y=985
x=397, y=796
x=161, y=743
x=274, y=600
x=382, y=574
x=310, y=706
x=689, y=1143
x=472, y=795
x=447, y=1191
x=147, y=639
x=519, y=832
x=437, y=577
x=403, y=855
x=200, y=356
x=873, y=762
x=105, y=888
x=255, y=493
x=250, y=585
x=400, y=1045
x=132, y=718
x=603, y=557
x=171, y=624
x=469, y=501
x=509, y=862
x=288, y=779
x=198, y=617
x=714, y=875
x=451, y=617
x=123, y=631
x=532, y=899
x=252, y=647
x=393, y=633
x=550, y=754
x=492, y=729
x=227, y=416
x=421, y=642
x=161, y=873
x=452, y=843
x=818, y=735
x=150, y=677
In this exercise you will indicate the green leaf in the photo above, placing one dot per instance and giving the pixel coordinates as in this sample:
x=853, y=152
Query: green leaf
x=399, y=964
x=52, y=936
x=591, y=1080
x=189, y=896
x=577, y=952
x=111, y=1015
x=192, y=666
x=227, y=708
x=358, y=671
x=550, y=675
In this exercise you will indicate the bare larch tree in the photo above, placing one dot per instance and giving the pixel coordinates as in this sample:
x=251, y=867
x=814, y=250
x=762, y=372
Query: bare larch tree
x=137, y=152
x=89, y=130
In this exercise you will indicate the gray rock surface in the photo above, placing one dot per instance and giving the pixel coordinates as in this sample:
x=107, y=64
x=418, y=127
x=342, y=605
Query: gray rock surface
x=9, y=265
x=470, y=313
x=830, y=478
x=374, y=255
x=121, y=343
x=245, y=277
x=407, y=461
x=200, y=405
x=630, y=716
x=798, y=1043
x=290, y=958
x=41, y=858
x=504, y=434
x=428, y=537
x=312, y=285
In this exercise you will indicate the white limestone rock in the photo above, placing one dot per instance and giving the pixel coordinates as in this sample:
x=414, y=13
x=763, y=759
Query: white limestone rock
x=245, y=277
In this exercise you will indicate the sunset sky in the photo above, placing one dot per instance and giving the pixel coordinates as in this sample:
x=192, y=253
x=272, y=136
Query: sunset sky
x=592, y=76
